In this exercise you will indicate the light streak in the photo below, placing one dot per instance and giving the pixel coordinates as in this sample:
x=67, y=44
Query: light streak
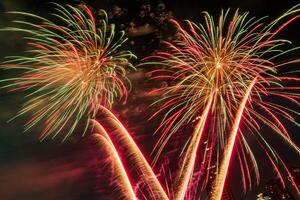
x=119, y=135
x=119, y=171
x=187, y=166
x=219, y=182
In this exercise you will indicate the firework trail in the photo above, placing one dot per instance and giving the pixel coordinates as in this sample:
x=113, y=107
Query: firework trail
x=222, y=59
x=133, y=154
x=123, y=180
x=73, y=65
x=189, y=159
x=220, y=179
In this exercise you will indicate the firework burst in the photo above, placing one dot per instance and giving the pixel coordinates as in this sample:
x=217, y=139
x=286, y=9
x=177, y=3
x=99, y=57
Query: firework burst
x=73, y=65
x=74, y=72
x=223, y=72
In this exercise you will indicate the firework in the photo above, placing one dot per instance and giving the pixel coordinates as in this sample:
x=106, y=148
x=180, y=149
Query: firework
x=215, y=69
x=74, y=71
x=72, y=65
x=119, y=171
x=220, y=179
x=133, y=154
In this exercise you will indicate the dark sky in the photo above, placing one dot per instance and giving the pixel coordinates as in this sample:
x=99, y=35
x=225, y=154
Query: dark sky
x=27, y=166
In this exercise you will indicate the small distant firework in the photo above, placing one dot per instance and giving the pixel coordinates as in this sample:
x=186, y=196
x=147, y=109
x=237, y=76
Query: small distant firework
x=224, y=72
x=73, y=65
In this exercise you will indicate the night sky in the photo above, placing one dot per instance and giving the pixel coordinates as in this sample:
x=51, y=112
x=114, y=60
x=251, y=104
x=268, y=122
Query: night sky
x=51, y=170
